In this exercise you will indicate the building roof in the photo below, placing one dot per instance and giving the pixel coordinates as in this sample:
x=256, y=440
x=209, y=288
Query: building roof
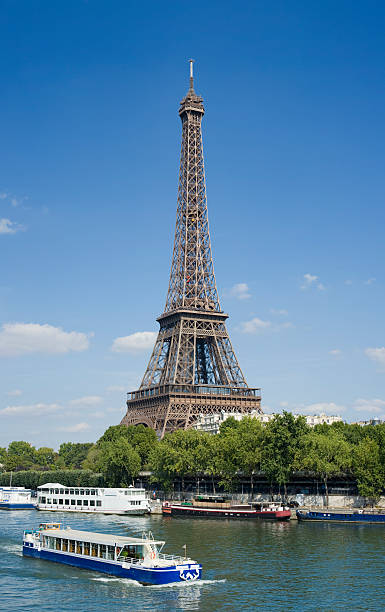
x=97, y=538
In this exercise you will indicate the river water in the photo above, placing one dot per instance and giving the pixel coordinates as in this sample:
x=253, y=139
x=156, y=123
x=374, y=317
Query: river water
x=247, y=565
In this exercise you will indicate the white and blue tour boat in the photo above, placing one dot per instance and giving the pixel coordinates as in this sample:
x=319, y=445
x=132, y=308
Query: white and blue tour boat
x=138, y=559
x=16, y=498
x=55, y=496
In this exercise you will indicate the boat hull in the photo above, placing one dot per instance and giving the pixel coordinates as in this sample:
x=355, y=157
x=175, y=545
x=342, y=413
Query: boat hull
x=16, y=506
x=147, y=576
x=225, y=513
x=341, y=517
x=139, y=512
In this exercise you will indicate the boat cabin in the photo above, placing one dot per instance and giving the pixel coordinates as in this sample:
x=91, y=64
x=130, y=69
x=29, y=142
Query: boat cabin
x=103, y=546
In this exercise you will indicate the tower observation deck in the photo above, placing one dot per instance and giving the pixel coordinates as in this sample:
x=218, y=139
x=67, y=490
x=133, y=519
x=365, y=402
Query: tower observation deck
x=193, y=369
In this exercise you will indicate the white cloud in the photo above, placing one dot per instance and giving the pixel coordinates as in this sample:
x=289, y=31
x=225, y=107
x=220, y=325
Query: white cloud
x=335, y=352
x=26, y=338
x=375, y=406
x=326, y=407
x=257, y=325
x=240, y=291
x=254, y=326
x=3, y=196
x=140, y=341
x=377, y=355
x=74, y=428
x=14, y=393
x=311, y=280
x=87, y=400
x=116, y=388
x=9, y=227
x=284, y=404
x=281, y=312
x=370, y=281
x=348, y=282
x=31, y=410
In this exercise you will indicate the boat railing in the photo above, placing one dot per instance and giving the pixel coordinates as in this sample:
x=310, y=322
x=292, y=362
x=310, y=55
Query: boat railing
x=176, y=558
x=131, y=560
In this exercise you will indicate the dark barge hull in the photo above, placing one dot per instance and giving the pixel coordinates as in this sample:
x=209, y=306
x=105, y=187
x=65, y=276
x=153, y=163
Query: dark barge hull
x=225, y=513
x=367, y=518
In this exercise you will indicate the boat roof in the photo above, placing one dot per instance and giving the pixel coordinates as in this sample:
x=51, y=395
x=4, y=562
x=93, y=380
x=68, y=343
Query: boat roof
x=55, y=485
x=97, y=538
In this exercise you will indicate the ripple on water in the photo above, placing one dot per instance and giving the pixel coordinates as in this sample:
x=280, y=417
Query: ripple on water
x=245, y=565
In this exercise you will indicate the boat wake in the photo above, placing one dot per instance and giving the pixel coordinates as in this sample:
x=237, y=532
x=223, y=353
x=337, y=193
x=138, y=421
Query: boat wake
x=187, y=584
x=127, y=581
x=171, y=585
x=13, y=549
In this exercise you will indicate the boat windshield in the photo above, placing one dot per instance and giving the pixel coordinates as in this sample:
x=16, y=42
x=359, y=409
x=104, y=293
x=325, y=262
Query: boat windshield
x=130, y=551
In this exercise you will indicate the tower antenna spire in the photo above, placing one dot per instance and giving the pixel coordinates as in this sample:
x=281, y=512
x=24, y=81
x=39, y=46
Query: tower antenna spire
x=191, y=62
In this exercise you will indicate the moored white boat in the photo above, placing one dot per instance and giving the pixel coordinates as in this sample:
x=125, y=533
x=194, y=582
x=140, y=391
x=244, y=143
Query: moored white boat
x=135, y=558
x=55, y=496
x=16, y=498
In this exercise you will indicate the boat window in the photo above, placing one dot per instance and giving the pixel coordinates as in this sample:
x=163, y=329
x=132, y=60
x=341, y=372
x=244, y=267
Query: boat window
x=92, y=502
x=86, y=548
x=94, y=550
x=87, y=492
x=73, y=502
x=54, y=501
x=93, y=492
x=79, y=502
x=42, y=500
x=48, y=500
x=81, y=492
x=85, y=502
x=56, y=491
x=71, y=491
x=71, y=545
x=67, y=492
x=111, y=552
x=76, y=491
x=102, y=551
x=79, y=548
x=67, y=502
x=65, y=545
x=60, y=501
x=98, y=503
x=58, y=543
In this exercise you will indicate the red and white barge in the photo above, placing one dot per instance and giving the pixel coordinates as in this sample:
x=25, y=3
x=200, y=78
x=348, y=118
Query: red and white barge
x=214, y=506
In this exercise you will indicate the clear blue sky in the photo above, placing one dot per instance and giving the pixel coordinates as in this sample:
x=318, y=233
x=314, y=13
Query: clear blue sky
x=294, y=137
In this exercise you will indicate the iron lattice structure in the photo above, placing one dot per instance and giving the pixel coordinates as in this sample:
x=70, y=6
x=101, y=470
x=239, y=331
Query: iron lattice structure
x=193, y=369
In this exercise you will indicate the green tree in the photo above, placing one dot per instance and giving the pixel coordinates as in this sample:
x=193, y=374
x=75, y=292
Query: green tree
x=141, y=438
x=325, y=454
x=3, y=456
x=163, y=463
x=282, y=439
x=45, y=457
x=20, y=456
x=119, y=462
x=368, y=469
x=250, y=434
x=72, y=454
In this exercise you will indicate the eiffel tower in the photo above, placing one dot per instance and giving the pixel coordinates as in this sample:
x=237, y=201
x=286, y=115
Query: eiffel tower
x=193, y=369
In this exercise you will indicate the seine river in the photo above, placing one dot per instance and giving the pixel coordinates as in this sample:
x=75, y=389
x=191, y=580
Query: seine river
x=247, y=566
